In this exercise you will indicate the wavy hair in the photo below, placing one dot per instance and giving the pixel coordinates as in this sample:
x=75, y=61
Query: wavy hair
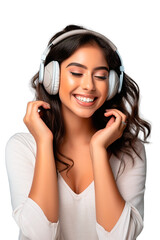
x=127, y=101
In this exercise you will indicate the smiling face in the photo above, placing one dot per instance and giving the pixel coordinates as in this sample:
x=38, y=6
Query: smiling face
x=85, y=73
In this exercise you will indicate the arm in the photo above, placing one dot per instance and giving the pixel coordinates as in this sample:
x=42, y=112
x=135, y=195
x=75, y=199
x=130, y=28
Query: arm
x=20, y=154
x=109, y=202
x=34, y=187
x=130, y=184
x=44, y=189
x=125, y=193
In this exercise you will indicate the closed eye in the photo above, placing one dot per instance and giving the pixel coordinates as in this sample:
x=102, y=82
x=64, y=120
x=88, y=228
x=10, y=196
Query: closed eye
x=80, y=74
x=101, y=77
x=76, y=74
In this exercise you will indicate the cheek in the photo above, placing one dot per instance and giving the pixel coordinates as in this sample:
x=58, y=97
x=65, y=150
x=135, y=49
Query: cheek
x=66, y=84
x=104, y=90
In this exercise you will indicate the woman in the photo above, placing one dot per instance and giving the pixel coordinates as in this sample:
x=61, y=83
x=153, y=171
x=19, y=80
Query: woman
x=80, y=172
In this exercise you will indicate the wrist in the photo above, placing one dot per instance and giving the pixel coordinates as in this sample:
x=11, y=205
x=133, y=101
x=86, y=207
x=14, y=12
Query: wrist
x=96, y=150
x=44, y=142
x=95, y=147
x=100, y=144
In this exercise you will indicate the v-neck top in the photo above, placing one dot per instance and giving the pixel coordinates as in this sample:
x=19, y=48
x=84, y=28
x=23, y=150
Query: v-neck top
x=77, y=212
x=75, y=195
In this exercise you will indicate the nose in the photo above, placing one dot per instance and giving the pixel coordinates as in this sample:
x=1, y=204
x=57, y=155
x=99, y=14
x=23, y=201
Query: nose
x=87, y=82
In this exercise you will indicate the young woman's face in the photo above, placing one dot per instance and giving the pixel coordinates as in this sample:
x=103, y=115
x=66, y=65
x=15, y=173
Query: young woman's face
x=84, y=75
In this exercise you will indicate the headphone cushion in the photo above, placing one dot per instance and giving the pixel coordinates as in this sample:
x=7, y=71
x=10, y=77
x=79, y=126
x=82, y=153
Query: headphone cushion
x=51, y=77
x=113, y=84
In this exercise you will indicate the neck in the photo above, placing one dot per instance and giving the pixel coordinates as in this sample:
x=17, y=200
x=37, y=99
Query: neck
x=78, y=130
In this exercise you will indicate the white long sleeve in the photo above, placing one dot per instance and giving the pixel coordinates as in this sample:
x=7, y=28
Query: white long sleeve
x=77, y=213
x=131, y=184
x=20, y=161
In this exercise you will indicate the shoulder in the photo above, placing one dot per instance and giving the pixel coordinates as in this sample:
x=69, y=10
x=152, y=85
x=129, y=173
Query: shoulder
x=21, y=138
x=19, y=145
x=138, y=154
x=135, y=158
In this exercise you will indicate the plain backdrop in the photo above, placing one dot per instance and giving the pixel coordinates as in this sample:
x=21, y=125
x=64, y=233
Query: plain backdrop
x=27, y=26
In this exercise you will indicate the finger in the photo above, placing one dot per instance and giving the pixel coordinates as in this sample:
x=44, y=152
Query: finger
x=118, y=117
x=40, y=103
x=37, y=104
x=124, y=117
x=123, y=125
x=110, y=122
x=29, y=108
x=119, y=112
x=32, y=107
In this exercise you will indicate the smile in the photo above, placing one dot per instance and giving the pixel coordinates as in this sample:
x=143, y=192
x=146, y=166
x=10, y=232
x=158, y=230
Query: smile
x=83, y=101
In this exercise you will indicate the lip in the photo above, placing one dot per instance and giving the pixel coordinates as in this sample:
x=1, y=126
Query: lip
x=84, y=103
x=86, y=95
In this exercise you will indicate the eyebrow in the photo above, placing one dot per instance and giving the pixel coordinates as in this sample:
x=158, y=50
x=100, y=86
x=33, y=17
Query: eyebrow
x=83, y=66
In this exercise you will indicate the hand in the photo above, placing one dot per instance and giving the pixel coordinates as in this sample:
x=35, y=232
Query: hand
x=35, y=124
x=113, y=130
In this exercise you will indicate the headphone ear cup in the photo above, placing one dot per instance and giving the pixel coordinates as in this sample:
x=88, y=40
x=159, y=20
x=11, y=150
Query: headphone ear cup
x=51, y=78
x=113, y=84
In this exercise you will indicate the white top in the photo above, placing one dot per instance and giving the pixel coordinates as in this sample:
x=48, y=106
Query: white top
x=77, y=215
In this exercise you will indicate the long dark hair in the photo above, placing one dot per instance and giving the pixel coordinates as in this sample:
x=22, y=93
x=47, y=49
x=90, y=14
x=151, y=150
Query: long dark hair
x=126, y=101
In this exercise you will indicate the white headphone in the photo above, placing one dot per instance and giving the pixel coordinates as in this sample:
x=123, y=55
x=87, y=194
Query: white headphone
x=49, y=75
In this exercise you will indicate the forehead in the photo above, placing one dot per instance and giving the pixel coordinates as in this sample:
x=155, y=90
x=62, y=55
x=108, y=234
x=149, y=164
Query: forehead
x=88, y=54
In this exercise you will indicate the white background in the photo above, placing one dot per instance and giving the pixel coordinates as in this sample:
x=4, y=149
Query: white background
x=27, y=26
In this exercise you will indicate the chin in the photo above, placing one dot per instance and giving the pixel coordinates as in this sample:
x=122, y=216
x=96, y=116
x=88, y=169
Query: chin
x=86, y=114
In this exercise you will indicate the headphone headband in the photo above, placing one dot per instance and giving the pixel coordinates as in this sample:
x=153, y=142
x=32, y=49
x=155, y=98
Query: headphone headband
x=72, y=33
x=81, y=31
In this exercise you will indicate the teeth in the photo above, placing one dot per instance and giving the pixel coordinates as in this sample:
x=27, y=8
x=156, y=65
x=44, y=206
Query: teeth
x=83, y=99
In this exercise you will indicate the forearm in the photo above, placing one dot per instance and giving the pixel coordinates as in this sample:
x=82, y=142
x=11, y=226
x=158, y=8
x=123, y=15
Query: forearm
x=44, y=189
x=109, y=202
